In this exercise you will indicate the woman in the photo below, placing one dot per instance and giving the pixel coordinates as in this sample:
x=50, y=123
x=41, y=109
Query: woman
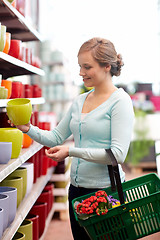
x=99, y=119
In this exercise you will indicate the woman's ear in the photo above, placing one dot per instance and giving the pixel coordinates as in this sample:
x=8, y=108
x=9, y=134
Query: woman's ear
x=108, y=68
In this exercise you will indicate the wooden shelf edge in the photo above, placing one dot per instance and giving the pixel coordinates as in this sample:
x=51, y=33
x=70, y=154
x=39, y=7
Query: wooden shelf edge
x=34, y=34
x=26, y=205
x=16, y=62
x=25, y=154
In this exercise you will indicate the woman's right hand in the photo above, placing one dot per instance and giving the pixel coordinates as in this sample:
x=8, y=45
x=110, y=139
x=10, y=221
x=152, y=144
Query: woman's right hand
x=24, y=128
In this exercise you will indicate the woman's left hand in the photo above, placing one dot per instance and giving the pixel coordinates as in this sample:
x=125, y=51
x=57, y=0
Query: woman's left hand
x=58, y=153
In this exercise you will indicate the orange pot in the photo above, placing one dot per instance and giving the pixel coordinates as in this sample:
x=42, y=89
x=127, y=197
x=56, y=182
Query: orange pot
x=14, y=3
x=7, y=84
x=7, y=44
x=27, y=141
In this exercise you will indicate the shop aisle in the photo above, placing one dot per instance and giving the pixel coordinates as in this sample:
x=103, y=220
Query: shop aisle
x=60, y=230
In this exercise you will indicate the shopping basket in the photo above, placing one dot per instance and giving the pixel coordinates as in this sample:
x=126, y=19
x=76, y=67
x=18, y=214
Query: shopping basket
x=137, y=218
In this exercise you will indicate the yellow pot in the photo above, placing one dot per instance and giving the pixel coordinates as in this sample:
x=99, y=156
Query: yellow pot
x=15, y=136
x=19, y=111
x=27, y=228
x=21, y=172
x=16, y=182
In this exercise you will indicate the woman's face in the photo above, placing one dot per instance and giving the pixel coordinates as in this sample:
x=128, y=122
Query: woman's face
x=92, y=73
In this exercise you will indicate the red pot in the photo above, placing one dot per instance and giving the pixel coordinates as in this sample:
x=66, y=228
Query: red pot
x=15, y=48
x=40, y=208
x=45, y=197
x=50, y=187
x=35, y=220
x=16, y=89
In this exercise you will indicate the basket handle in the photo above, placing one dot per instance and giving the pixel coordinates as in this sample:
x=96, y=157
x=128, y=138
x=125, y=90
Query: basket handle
x=114, y=175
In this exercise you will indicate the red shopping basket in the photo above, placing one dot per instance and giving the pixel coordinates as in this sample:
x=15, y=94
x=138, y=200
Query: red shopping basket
x=133, y=220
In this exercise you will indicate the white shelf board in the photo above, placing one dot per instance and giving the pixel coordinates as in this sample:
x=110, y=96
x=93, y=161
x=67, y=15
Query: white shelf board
x=60, y=206
x=61, y=191
x=61, y=177
x=26, y=153
x=15, y=67
x=26, y=205
x=34, y=101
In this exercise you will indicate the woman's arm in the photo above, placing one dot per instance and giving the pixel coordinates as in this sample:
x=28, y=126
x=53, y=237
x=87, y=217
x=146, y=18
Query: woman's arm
x=55, y=137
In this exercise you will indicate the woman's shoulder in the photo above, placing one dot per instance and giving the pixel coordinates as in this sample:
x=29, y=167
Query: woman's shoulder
x=122, y=94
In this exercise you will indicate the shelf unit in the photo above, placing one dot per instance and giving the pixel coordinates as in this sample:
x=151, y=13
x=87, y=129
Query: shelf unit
x=10, y=66
x=16, y=24
x=26, y=205
x=26, y=153
x=23, y=30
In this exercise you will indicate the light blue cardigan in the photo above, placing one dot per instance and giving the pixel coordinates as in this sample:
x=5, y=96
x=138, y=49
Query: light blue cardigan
x=110, y=125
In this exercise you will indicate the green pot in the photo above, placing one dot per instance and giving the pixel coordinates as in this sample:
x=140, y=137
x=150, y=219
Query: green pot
x=21, y=172
x=13, y=135
x=27, y=228
x=16, y=182
x=19, y=111
x=2, y=37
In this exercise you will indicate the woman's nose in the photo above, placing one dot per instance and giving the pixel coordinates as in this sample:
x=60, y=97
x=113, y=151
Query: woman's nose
x=81, y=73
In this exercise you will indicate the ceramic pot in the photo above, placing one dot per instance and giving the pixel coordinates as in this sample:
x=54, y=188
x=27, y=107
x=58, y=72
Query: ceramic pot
x=4, y=204
x=2, y=92
x=30, y=175
x=45, y=197
x=27, y=141
x=5, y=152
x=17, y=89
x=50, y=186
x=8, y=43
x=21, y=172
x=13, y=135
x=2, y=37
x=35, y=220
x=16, y=182
x=40, y=209
x=19, y=111
x=15, y=48
x=12, y=193
x=19, y=236
x=7, y=84
x=27, y=228
x=1, y=221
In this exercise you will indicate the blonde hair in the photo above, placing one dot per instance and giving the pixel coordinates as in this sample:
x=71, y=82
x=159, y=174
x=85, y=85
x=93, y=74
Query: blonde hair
x=103, y=51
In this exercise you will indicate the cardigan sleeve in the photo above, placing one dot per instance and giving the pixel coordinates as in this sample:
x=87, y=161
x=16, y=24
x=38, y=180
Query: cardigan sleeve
x=122, y=119
x=55, y=137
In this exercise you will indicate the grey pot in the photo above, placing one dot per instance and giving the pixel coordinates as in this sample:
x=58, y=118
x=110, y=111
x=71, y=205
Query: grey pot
x=4, y=204
x=12, y=193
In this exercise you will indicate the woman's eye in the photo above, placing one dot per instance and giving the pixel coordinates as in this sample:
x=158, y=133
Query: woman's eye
x=87, y=67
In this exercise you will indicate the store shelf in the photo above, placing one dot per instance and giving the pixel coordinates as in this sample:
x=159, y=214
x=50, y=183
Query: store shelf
x=34, y=101
x=61, y=191
x=16, y=24
x=61, y=177
x=48, y=220
x=60, y=206
x=10, y=66
x=26, y=153
x=26, y=205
